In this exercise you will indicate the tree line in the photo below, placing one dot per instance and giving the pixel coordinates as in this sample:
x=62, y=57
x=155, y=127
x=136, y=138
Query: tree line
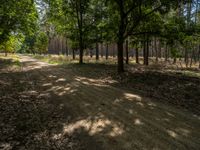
x=147, y=25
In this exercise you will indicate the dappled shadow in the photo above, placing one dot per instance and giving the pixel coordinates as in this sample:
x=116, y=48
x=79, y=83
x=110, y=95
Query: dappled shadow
x=5, y=63
x=177, y=89
x=85, y=107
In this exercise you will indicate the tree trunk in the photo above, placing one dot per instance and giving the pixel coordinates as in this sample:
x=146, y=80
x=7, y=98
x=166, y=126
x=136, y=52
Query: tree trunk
x=5, y=51
x=97, y=51
x=147, y=53
x=186, y=57
x=107, y=51
x=114, y=50
x=6, y=54
x=66, y=48
x=120, y=56
x=73, y=53
x=199, y=56
x=156, y=50
x=191, y=59
x=166, y=52
x=102, y=50
x=81, y=53
x=127, y=54
x=144, y=52
x=160, y=49
x=175, y=59
x=137, y=55
x=91, y=53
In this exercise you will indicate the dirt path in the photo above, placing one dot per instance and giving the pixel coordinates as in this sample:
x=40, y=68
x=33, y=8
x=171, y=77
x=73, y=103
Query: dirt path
x=92, y=114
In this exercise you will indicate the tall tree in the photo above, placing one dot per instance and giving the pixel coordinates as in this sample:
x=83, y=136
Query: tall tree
x=130, y=14
x=17, y=16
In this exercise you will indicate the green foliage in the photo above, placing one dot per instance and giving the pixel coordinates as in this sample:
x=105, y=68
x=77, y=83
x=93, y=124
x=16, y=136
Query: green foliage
x=41, y=43
x=11, y=45
x=16, y=16
x=37, y=43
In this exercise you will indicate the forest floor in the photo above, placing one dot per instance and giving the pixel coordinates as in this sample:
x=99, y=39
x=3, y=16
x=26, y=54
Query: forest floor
x=89, y=107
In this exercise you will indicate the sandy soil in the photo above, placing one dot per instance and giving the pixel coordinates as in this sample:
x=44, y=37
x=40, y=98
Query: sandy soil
x=53, y=107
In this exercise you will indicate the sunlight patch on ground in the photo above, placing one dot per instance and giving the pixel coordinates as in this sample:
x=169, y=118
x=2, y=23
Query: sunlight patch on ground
x=184, y=132
x=52, y=76
x=138, y=122
x=96, y=82
x=172, y=133
x=5, y=146
x=47, y=84
x=116, y=131
x=62, y=90
x=60, y=80
x=170, y=114
x=132, y=97
x=93, y=127
x=117, y=101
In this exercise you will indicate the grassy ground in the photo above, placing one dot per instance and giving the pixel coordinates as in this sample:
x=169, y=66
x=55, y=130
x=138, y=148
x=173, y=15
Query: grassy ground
x=90, y=107
x=9, y=63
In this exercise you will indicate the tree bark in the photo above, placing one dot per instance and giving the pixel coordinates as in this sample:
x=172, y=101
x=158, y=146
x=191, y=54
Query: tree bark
x=120, y=56
x=73, y=53
x=97, y=51
x=160, y=49
x=144, y=52
x=127, y=54
x=102, y=50
x=66, y=48
x=147, y=52
x=156, y=49
x=106, y=51
x=199, y=56
x=137, y=55
x=81, y=51
x=166, y=53
x=186, y=57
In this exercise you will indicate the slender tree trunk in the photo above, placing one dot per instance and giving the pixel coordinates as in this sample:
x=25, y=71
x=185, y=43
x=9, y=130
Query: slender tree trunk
x=199, y=55
x=191, y=59
x=147, y=52
x=79, y=13
x=73, y=54
x=160, y=49
x=106, y=51
x=137, y=55
x=113, y=49
x=186, y=57
x=102, y=50
x=5, y=51
x=121, y=37
x=166, y=53
x=97, y=51
x=6, y=54
x=120, y=55
x=91, y=53
x=156, y=50
x=144, y=51
x=66, y=48
x=127, y=54
x=81, y=52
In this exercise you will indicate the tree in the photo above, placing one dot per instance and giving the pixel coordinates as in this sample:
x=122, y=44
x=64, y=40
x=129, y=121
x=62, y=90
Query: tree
x=16, y=16
x=130, y=14
x=41, y=43
x=11, y=45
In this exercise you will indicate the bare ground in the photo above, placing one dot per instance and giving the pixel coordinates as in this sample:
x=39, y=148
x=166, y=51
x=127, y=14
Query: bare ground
x=87, y=107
